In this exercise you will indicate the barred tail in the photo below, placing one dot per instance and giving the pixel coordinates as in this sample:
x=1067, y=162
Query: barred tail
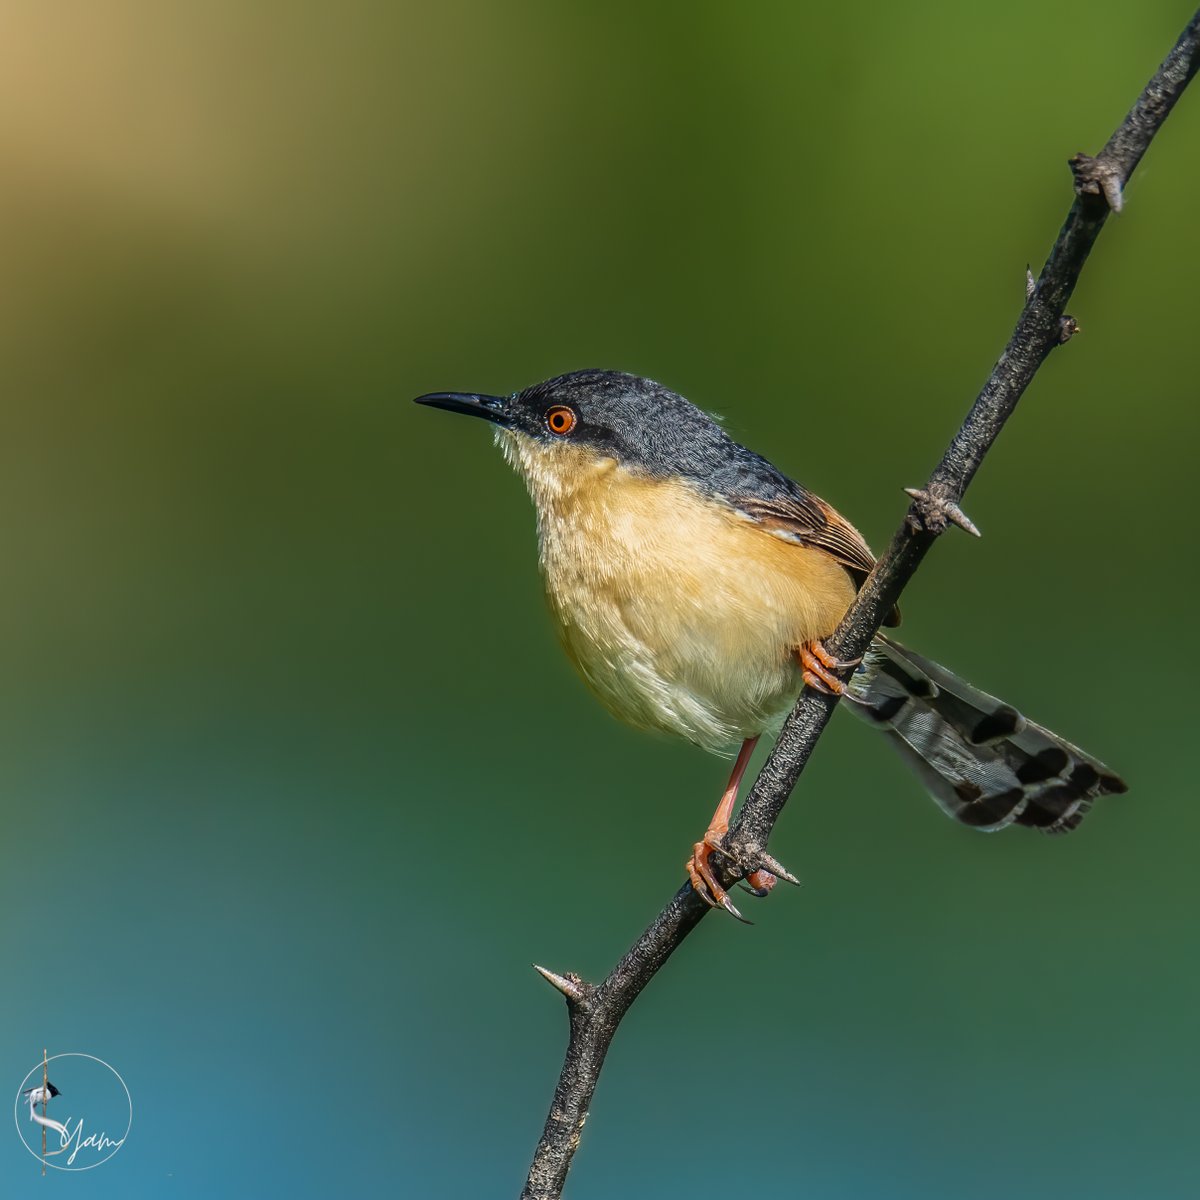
x=982, y=761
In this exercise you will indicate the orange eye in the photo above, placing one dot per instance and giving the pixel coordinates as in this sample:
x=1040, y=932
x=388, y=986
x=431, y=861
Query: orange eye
x=560, y=420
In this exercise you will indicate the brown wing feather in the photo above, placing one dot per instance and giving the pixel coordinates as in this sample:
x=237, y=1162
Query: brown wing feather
x=807, y=520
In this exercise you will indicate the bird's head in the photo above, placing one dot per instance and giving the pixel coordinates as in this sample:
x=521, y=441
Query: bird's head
x=559, y=432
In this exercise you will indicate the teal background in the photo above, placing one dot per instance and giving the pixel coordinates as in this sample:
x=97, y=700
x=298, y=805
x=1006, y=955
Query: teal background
x=295, y=781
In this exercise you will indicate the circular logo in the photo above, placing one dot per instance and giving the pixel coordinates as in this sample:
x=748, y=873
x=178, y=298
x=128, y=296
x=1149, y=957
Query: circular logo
x=81, y=1117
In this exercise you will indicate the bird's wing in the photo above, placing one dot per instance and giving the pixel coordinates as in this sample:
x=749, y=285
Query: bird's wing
x=807, y=520
x=798, y=516
x=759, y=492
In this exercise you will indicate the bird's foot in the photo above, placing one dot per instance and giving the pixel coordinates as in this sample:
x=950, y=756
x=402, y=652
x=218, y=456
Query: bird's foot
x=704, y=881
x=758, y=882
x=819, y=666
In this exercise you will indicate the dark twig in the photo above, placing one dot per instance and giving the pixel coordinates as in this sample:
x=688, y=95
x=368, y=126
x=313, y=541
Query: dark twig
x=595, y=1011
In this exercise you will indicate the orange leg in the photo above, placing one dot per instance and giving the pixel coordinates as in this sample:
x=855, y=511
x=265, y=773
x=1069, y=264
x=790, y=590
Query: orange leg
x=698, y=868
x=819, y=666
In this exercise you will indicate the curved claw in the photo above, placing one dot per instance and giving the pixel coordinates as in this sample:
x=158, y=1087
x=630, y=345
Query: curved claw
x=727, y=905
x=760, y=892
x=819, y=667
x=704, y=882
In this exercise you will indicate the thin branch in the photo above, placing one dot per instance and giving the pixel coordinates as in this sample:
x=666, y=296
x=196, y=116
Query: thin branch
x=596, y=1010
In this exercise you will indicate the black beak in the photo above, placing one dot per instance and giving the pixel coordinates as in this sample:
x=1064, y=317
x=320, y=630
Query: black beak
x=491, y=408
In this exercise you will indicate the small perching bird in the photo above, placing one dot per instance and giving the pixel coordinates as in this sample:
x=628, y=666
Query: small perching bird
x=692, y=583
x=39, y=1094
x=43, y=1095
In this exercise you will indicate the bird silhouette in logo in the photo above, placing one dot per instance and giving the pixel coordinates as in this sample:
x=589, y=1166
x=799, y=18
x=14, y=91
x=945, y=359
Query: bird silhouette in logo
x=42, y=1095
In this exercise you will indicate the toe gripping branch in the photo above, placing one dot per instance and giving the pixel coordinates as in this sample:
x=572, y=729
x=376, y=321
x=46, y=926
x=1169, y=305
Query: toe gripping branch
x=820, y=667
x=758, y=871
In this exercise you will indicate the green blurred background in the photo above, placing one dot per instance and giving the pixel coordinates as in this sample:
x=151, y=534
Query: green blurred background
x=295, y=781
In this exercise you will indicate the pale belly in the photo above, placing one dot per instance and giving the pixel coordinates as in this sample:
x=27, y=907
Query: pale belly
x=684, y=618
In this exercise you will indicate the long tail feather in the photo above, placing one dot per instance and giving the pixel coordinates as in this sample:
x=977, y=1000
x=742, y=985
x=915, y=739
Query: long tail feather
x=982, y=761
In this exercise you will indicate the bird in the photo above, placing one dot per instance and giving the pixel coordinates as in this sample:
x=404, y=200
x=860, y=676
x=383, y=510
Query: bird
x=692, y=584
x=40, y=1095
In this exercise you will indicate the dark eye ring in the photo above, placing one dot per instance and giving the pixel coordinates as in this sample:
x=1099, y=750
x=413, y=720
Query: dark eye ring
x=560, y=420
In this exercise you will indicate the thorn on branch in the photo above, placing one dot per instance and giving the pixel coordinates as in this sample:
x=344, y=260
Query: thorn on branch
x=935, y=510
x=1068, y=327
x=570, y=984
x=748, y=860
x=767, y=863
x=1095, y=177
x=1030, y=283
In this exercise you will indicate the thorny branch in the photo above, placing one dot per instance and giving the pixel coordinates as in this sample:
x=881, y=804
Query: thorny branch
x=596, y=1009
